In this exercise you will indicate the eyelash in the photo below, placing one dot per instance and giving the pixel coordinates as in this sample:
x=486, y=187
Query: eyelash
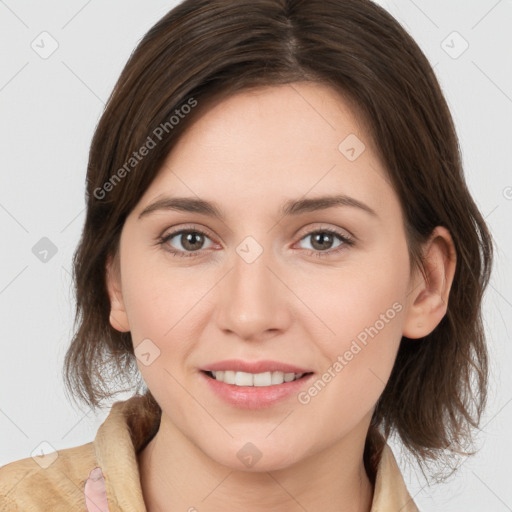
x=311, y=252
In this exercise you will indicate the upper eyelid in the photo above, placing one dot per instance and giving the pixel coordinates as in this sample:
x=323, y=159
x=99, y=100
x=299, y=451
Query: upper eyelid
x=338, y=230
x=172, y=232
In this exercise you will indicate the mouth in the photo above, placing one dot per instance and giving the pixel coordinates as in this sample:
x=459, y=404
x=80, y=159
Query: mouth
x=245, y=379
x=254, y=385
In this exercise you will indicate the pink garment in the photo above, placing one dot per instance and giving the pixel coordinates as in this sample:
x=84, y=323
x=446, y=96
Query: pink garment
x=95, y=492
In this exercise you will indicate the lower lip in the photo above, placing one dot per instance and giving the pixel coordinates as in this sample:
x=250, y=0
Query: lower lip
x=255, y=397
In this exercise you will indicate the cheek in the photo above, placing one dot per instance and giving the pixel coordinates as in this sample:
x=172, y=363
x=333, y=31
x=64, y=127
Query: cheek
x=152, y=301
x=157, y=291
x=358, y=359
x=158, y=308
x=161, y=309
x=355, y=300
x=361, y=309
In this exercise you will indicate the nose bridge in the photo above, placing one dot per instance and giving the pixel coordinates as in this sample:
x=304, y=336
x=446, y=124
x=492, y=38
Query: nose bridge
x=250, y=275
x=251, y=300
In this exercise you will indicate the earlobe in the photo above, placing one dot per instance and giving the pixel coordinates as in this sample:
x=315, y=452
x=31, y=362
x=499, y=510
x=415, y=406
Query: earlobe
x=428, y=297
x=118, y=317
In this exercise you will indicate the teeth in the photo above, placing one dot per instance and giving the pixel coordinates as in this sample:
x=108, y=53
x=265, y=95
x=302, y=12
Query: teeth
x=255, y=379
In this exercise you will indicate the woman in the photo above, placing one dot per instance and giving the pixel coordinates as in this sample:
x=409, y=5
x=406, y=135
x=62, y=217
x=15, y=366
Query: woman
x=279, y=237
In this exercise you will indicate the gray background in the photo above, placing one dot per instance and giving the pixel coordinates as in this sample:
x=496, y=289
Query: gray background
x=49, y=108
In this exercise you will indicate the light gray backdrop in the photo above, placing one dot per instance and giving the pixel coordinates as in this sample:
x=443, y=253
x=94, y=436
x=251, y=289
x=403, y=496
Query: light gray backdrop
x=60, y=60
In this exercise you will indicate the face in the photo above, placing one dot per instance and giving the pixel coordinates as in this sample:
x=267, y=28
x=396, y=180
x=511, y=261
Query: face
x=323, y=287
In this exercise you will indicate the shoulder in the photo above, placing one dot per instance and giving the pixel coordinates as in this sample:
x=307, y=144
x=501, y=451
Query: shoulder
x=104, y=469
x=54, y=481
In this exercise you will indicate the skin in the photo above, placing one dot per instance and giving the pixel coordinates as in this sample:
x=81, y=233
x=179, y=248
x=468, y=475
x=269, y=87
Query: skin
x=249, y=154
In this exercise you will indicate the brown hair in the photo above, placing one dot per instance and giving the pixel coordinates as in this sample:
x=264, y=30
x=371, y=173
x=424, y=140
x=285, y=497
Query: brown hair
x=204, y=50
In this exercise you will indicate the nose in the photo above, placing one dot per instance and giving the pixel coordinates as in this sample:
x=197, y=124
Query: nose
x=253, y=299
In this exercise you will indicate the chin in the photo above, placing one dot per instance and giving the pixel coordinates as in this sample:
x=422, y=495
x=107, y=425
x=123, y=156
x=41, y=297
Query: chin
x=255, y=457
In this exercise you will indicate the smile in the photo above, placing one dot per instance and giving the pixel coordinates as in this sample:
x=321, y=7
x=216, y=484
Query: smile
x=264, y=379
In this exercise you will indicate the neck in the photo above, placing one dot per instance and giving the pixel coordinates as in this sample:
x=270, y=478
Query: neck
x=177, y=475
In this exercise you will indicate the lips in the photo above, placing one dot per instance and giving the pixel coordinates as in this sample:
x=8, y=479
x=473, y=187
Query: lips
x=255, y=397
x=238, y=365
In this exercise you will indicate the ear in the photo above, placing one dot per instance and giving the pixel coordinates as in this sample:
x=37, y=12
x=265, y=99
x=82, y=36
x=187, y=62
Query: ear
x=118, y=316
x=428, y=296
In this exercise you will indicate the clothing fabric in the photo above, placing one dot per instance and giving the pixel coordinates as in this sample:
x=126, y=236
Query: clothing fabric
x=103, y=475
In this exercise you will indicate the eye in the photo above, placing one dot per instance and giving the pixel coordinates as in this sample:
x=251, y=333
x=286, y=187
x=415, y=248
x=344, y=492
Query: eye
x=323, y=239
x=191, y=241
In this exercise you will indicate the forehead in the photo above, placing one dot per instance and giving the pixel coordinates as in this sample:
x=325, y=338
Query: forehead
x=278, y=116
x=275, y=142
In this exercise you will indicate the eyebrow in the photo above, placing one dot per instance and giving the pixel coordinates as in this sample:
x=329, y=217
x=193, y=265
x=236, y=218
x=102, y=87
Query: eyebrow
x=289, y=208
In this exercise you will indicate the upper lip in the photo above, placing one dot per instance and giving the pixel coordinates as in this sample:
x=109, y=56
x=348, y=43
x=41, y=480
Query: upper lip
x=239, y=365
